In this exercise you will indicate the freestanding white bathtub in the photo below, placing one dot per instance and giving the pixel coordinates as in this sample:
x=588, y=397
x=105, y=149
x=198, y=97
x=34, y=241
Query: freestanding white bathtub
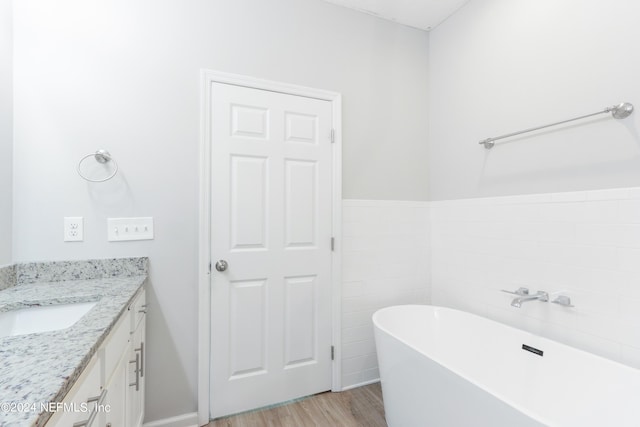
x=441, y=367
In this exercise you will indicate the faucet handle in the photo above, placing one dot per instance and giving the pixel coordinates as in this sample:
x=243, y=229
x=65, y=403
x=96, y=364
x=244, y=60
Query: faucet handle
x=563, y=300
x=521, y=291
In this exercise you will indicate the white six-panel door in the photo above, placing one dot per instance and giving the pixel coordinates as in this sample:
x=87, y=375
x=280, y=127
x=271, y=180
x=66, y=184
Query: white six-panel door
x=271, y=222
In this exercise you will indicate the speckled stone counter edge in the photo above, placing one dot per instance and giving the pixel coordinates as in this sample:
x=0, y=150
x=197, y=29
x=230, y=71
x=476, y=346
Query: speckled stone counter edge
x=56, y=271
x=7, y=276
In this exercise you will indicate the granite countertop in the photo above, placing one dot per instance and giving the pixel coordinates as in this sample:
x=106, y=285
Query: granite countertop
x=39, y=368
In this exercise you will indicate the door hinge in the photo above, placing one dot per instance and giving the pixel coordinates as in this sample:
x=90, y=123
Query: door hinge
x=333, y=136
x=333, y=243
x=333, y=352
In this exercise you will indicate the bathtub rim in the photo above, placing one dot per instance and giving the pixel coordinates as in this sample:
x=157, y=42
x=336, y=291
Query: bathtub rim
x=536, y=416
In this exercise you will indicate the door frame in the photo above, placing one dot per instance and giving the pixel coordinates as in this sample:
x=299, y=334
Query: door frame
x=209, y=77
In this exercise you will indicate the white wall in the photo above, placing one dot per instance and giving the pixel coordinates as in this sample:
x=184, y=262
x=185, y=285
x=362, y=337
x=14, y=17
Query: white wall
x=385, y=262
x=498, y=66
x=585, y=245
x=124, y=75
x=6, y=129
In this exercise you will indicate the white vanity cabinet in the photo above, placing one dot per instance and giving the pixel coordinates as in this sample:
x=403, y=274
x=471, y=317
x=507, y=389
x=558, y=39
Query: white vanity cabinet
x=112, y=384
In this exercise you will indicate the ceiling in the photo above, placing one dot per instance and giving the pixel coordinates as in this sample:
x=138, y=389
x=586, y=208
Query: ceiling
x=422, y=14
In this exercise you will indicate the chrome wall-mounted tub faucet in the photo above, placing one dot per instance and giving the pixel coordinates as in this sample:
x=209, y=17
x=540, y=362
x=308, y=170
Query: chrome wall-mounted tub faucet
x=524, y=296
x=540, y=296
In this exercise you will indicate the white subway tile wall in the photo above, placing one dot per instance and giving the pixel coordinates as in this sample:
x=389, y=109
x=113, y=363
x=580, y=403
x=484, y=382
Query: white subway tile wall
x=385, y=262
x=585, y=245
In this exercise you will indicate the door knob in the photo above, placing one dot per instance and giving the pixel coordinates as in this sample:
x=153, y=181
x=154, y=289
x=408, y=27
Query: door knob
x=221, y=265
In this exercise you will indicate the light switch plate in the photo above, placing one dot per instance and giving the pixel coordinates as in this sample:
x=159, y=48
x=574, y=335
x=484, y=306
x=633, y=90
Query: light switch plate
x=73, y=229
x=122, y=229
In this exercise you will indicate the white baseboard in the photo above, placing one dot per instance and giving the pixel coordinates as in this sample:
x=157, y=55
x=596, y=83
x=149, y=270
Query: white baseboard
x=185, y=420
x=349, y=387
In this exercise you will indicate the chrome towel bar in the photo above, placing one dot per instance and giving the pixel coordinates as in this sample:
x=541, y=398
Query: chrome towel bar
x=620, y=111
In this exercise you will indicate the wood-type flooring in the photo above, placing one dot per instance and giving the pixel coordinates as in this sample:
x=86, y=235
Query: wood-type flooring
x=357, y=407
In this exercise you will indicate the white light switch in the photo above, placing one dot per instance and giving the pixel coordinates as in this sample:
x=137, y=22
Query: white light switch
x=120, y=229
x=73, y=229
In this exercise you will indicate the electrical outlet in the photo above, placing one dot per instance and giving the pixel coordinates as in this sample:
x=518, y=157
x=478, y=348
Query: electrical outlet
x=73, y=229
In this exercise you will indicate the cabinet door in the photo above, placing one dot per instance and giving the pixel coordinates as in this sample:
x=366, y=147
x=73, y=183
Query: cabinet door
x=136, y=377
x=114, y=414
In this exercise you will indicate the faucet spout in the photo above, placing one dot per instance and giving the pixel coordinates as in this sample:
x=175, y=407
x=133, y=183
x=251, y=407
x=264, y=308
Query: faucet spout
x=540, y=295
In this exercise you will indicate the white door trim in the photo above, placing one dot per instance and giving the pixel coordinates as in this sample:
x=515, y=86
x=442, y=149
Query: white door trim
x=209, y=77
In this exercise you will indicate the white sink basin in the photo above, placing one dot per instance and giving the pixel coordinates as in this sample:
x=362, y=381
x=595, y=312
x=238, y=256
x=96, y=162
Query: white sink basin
x=42, y=319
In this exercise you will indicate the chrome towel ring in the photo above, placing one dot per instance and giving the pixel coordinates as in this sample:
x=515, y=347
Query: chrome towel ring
x=101, y=156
